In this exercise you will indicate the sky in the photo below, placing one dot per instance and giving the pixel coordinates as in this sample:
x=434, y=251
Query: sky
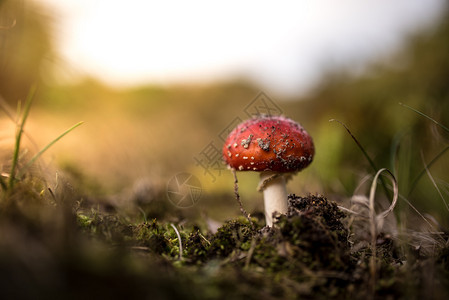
x=284, y=46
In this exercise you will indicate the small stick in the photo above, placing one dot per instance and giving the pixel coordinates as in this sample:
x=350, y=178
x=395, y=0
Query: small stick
x=250, y=253
x=237, y=197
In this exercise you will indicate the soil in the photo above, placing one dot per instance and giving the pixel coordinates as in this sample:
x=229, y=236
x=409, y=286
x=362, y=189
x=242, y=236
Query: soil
x=311, y=252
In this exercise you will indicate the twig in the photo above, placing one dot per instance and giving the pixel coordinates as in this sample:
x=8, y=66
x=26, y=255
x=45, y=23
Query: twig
x=250, y=253
x=237, y=197
x=204, y=238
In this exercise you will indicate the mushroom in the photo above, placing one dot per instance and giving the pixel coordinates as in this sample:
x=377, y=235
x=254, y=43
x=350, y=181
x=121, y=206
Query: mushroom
x=274, y=146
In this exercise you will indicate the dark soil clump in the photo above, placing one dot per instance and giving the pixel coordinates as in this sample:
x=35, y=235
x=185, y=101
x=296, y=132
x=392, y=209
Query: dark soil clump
x=308, y=245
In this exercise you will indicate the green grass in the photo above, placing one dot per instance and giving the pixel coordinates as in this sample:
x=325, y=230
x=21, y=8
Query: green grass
x=437, y=157
x=14, y=174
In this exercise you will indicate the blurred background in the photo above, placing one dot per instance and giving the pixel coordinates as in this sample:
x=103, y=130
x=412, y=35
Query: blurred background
x=158, y=86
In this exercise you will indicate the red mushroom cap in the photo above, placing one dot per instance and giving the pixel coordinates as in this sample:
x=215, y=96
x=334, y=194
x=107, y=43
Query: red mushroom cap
x=269, y=143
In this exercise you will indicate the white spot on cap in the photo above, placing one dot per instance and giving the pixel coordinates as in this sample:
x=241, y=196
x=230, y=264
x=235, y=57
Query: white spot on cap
x=245, y=157
x=237, y=155
x=240, y=167
x=235, y=145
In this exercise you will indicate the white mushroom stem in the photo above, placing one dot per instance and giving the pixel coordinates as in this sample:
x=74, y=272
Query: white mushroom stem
x=274, y=194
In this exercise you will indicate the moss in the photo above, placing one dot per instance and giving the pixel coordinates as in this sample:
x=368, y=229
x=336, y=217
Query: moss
x=109, y=228
x=230, y=238
x=84, y=221
x=152, y=235
x=197, y=247
x=303, y=245
x=306, y=254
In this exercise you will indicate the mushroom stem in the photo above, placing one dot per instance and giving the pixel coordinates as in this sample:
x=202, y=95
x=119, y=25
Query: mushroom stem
x=274, y=194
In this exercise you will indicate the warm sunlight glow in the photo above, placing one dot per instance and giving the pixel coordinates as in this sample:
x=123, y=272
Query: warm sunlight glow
x=283, y=45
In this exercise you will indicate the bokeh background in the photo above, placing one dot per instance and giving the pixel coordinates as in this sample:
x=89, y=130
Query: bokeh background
x=157, y=96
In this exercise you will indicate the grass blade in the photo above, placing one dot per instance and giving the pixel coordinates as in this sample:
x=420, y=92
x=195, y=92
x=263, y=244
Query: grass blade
x=19, y=133
x=435, y=185
x=427, y=167
x=3, y=184
x=179, y=240
x=376, y=219
x=39, y=154
x=7, y=110
x=14, y=116
x=425, y=116
x=423, y=171
x=386, y=212
x=371, y=162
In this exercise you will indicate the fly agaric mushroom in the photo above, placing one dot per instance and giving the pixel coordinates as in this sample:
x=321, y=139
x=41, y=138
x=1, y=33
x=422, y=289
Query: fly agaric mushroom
x=272, y=145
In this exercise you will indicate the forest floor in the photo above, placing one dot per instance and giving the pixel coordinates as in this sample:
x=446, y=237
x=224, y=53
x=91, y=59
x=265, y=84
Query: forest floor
x=54, y=242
